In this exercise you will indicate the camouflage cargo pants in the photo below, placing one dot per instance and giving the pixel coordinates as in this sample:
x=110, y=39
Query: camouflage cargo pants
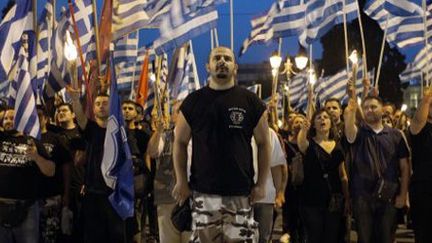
x=221, y=219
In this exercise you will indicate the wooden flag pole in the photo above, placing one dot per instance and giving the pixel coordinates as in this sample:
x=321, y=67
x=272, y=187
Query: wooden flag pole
x=345, y=28
x=35, y=23
x=96, y=33
x=426, y=38
x=362, y=41
x=216, y=37
x=382, y=52
x=232, y=24
x=211, y=39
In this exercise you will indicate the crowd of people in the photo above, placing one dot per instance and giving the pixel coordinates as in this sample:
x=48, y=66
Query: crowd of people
x=223, y=155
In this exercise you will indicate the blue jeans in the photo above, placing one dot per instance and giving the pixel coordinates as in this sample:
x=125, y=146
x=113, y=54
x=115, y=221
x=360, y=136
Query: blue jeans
x=321, y=225
x=375, y=220
x=263, y=214
x=26, y=232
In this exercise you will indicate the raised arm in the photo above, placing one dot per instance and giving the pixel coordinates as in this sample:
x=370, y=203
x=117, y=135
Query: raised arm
x=262, y=139
x=350, y=120
x=302, y=140
x=420, y=118
x=79, y=112
x=182, y=136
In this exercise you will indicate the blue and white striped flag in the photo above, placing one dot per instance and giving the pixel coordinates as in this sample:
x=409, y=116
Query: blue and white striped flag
x=149, y=104
x=17, y=20
x=335, y=86
x=186, y=20
x=59, y=76
x=410, y=73
x=254, y=89
x=125, y=57
x=401, y=31
x=405, y=7
x=44, y=44
x=298, y=88
x=21, y=94
x=132, y=15
x=184, y=78
x=262, y=30
x=290, y=20
x=116, y=163
x=322, y=15
x=422, y=61
x=83, y=13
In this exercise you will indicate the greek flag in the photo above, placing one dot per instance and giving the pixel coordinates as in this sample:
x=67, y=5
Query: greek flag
x=132, y=15
x=262, y=30
x=17, y=20
x=83, y=13
x=410, y=73
x=21, y=94
x=298, y=88
x=401, y=31
x=322, y=15
x=422, y=59
x=125, y=57
x=116, y=163
x=44, y=44
x=184, y=78
x=149, y=104
x=186, y=20
x=290, y=20
x=335, y=86
x=404, y=7
x=58, y=76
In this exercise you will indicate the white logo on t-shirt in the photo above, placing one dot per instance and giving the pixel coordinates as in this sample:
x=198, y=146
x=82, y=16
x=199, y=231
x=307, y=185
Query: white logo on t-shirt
x=237, y=116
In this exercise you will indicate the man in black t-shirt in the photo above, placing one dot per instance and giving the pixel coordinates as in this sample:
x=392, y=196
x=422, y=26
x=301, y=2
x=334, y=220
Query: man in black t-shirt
x=221, y=119
x=101, y=221
x=421, y=180
x=75, y=145
x=53, y=189
x=138, y=140
x=23, y=161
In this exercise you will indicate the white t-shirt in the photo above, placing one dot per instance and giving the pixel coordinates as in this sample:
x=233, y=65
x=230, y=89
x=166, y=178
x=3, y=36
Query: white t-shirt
x=277, y=158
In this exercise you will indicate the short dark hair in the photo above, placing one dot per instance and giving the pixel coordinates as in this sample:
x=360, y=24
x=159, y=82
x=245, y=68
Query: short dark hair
x=130, y=102
x=65, y=104
x=371, y=97
x=390, y=104
x=102, y=95
x=225, y=47
x=333, y=99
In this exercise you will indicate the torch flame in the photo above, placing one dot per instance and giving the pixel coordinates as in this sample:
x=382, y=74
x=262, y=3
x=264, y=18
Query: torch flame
x=70, y=50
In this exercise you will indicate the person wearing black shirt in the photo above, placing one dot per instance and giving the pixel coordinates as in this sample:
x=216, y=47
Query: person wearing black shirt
x=421, y=180
x=291, y=222
x=71, y=134
x=221, y=119
x=324, y=179
x=379, y=157
x=23, y=161
x=53, y=188
x=138, y=140
x=101, y=221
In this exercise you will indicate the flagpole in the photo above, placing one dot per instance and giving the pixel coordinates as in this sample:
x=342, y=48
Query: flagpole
x=280, y=46
x=362, y=40
x=216, y=37
x=426, y=37
x=382, y=52
x=96, y=32
x=75, y=28
x=194, y=64
x=345, y=37
x=211, y=39
x=35, y=23
x=232, y=24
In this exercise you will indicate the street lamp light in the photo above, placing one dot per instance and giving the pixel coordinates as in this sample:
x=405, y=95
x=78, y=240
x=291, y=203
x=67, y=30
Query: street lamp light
x=301, y=61
x=275, y=60
x=404, y=107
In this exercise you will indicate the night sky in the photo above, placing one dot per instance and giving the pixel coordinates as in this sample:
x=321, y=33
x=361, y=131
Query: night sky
x=244, y=10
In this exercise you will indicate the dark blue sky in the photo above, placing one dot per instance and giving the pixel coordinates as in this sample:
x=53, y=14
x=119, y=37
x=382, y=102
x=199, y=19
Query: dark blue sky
x=244, y=10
